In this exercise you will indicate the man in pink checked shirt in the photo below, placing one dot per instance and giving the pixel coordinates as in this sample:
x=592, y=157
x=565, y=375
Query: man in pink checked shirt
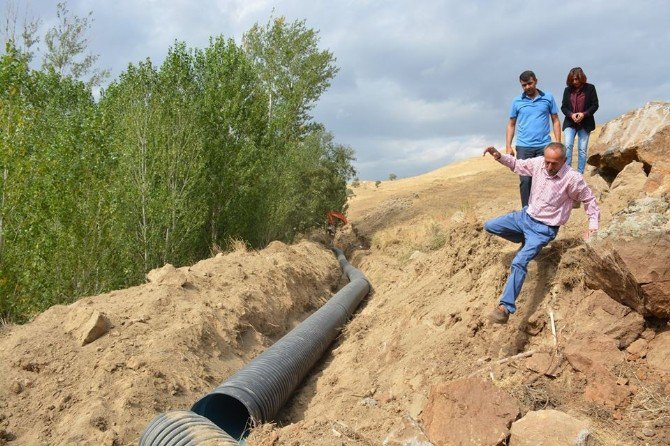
x=555, y=187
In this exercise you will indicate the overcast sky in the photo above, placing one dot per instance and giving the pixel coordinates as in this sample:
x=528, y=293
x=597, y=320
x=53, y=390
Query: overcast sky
x=421, y=83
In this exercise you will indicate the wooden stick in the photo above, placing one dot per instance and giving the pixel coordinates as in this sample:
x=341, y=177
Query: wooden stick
x=503, y=361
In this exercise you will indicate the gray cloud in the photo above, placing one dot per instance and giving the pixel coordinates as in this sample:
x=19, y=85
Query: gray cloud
x=420, y=83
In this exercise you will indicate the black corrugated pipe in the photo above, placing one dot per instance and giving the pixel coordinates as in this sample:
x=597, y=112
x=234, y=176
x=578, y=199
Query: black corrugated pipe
x=257, y=391
x=184, y=428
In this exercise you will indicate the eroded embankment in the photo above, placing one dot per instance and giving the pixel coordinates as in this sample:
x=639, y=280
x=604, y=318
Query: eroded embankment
x=420, y=364
x=154, y=347
x=422, y=336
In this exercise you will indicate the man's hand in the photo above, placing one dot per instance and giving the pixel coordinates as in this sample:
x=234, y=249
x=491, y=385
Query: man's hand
x=493, y=152
x=590, y=233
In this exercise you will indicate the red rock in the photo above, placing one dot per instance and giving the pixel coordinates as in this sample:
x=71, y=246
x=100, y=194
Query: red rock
x=638, y=348
x=612, y=319
x=544, y=363
x=470, y=411
x=642, y=134
x=658, y=355
x=591, y=352
x=632, y=268
x=603, y=389
x=605, y=270
x=548, y=427
x=646, y=257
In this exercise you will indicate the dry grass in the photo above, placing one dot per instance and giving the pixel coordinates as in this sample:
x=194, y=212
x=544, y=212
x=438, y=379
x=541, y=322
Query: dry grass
x=236, y=245
x=532, y=397
x=604, y=430
x=425, y=236
x=232, y=244
x=650, y=405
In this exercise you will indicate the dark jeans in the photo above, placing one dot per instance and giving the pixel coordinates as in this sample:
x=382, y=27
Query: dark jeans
x=523, y=153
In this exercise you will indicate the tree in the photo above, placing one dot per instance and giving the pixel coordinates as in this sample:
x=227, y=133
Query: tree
x=159, y=143
x=233, y=117
x=27, y=37
x=66, y=46
x=293, y=71
x=169, y=162
x=15, y=115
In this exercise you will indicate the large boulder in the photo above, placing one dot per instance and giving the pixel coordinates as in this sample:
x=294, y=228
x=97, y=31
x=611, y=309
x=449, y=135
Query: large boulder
x=470, y=411
x=603, y=315
x=640, y=135
x=629, y=259
x=628, y=185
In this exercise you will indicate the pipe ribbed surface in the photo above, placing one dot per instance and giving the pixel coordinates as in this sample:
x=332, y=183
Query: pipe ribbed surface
x=257, y=391
x=184, y=428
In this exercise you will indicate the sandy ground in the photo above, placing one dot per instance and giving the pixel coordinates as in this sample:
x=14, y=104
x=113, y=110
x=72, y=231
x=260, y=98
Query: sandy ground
x=434, y=273
x=170, y=342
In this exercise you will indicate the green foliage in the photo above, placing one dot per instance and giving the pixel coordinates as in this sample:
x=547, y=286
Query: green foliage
x=66, y=44
x=214, y=145
x=293, y=72
x=22, y=39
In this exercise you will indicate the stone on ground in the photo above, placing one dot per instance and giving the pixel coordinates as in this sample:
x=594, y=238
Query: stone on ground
x=470, y=411
x=549, y=428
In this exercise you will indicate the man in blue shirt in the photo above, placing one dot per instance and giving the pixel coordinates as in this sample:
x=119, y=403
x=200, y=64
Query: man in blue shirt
x=529, y=117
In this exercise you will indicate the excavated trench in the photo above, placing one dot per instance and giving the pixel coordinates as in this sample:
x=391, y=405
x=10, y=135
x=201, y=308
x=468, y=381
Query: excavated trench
x=257, y=392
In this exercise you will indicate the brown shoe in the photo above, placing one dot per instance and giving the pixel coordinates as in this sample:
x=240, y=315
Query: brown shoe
x=499, y=315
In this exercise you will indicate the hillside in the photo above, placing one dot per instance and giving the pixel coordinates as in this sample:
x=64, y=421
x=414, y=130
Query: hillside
x=418, y=364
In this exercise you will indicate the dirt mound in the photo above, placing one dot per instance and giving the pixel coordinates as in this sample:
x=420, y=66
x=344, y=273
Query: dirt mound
x=156, y=347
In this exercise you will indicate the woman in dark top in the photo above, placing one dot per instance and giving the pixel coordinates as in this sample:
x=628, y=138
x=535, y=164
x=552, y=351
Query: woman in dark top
x=580, y=102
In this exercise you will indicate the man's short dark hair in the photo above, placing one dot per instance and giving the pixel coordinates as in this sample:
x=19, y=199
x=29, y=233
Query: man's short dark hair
x=527, y=75
x=556, y=146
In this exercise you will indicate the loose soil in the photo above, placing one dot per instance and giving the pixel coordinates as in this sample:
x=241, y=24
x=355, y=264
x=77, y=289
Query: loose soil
x=435, y=274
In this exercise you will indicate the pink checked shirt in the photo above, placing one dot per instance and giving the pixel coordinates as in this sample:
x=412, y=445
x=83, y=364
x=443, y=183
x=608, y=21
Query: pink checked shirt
x=551, y=197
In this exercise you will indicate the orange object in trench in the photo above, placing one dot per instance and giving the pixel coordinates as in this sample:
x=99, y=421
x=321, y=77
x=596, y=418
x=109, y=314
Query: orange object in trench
x=331, y=216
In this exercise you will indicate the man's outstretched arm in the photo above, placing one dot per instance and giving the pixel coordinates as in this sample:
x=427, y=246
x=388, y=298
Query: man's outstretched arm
x=520, y=167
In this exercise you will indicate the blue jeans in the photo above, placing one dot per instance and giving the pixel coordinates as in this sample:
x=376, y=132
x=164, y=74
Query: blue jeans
x=525, y=182
x=582, y=145
x=519, y=227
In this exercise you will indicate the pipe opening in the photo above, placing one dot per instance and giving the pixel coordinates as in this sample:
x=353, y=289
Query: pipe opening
x=226, y=412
